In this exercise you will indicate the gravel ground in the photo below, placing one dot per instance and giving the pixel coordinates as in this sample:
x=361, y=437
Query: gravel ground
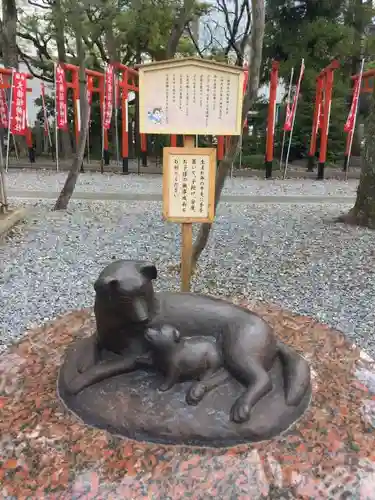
x=286, y=254
x=95, y=182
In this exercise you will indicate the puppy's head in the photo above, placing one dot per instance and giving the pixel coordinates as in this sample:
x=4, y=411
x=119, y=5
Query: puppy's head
x=126, y=285
x=166, y=336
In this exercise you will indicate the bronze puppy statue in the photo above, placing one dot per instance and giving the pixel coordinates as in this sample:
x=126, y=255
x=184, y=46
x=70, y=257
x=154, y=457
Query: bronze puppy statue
x=189, y=358
x=126, y=306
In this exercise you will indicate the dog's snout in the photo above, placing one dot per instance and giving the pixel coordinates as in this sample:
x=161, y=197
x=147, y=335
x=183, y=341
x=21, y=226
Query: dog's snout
x=140, y=309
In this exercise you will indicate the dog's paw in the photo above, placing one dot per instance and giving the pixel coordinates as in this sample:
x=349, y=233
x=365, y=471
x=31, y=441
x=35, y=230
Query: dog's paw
x=240, y=411
x=145, y=359
x=164, y=387
x=195, y=393
x=87, y=354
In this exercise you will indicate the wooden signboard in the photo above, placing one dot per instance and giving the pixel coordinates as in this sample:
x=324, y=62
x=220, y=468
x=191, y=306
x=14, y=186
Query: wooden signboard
x=190, y=97
x=189, y=184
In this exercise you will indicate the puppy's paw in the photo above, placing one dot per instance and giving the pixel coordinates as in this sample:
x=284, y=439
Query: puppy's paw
x=165, y=387
x=195, y=393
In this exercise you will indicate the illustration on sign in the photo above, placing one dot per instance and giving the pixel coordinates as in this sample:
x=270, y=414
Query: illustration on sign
x=155, y=115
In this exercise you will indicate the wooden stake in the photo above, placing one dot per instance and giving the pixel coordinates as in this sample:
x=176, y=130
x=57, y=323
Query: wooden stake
x=187, y=240
x=186, y=254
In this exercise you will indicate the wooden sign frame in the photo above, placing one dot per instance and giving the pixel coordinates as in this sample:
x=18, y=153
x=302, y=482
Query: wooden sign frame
x=189, y=65
x=167, y=173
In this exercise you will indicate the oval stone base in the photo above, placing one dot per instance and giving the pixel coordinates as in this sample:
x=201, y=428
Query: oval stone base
x=328, y=453
x=131, y=406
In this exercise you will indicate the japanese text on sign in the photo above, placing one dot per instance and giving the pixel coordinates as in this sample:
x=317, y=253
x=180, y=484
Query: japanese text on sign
x=190, y=100
x=108, y=97
x=189, y=190
x=61, y=102
x=18, y=109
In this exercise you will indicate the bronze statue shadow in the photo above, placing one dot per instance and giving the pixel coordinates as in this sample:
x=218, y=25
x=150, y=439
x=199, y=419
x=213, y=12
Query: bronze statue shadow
x=130, y=406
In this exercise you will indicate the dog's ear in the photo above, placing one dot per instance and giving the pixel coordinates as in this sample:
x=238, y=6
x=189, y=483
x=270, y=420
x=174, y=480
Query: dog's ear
x=176, y=335
x=149, y=271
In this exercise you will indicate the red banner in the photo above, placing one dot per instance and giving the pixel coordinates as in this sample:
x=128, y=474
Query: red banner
x=18, y=105
x=4, y=111
x=89, y=90
x=108, y=97
x=349, y=125
x=61, y=101
x=288, y=118
x=45, y=117
x=291, y=112
x=90, y=82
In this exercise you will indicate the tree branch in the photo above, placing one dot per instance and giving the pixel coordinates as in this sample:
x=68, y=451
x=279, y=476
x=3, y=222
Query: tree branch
x=101, y=49
x=40, y=44
x=245, y=38
x=200, y=53
x=35, y=4
x=31, y=63
x=257, y=35
x=178, y=27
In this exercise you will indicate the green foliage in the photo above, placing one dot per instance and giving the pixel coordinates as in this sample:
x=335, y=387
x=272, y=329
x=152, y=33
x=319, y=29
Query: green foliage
x=315, y=31
x=146, y=27
x=253, y=162
x=318, y=32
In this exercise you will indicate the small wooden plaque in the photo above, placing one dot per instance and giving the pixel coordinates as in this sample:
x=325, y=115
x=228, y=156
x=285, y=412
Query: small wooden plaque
x=189, y=184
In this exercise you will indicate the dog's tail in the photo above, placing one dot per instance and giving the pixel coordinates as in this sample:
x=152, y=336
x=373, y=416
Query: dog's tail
x=296, y=371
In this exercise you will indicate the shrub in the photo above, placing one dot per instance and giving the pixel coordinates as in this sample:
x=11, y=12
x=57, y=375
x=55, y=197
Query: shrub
x=254, y=162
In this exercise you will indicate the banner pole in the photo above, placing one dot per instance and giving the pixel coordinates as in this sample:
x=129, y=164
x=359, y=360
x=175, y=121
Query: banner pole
x=284, y=131
x=116, y=99
x=9, y=120
x=89, y=103
x=3, y=190
x=46, y=120
x=294, y=116
x=103, y=116
x=355, y=119
x=88, y=143
x=56, y=127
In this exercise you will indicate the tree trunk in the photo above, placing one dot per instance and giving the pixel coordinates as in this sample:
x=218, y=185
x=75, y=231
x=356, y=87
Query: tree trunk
x=39, y=143
x=363, y=212
x=258, y=11
x=182, y=18
x=59, y=22
x=9, y=34
x=70, y=183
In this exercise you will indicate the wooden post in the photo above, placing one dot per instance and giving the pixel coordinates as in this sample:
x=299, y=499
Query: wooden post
x=187, y=238
x=316, y=123
x=189, y=172
x=271, y=118
x=125, y=123
x=325, y=125
x=327, y=78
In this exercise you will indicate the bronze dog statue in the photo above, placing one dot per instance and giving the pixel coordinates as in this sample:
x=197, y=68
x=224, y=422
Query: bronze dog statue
x=189, y=358
x=126, y=305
